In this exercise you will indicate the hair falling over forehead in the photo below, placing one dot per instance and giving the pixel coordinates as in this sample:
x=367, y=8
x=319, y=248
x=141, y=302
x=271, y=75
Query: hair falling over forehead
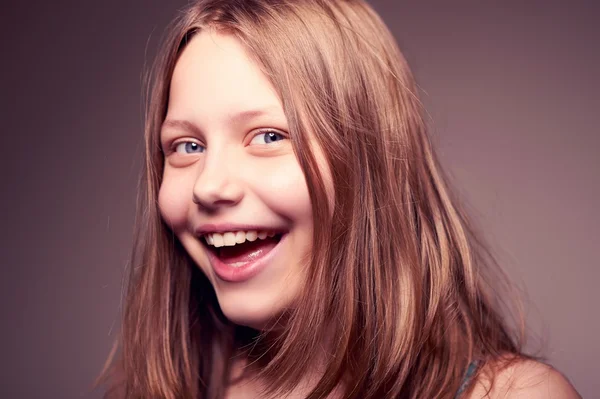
x=398, y=278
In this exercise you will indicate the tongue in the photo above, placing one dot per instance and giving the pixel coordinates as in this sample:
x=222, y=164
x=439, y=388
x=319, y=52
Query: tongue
x=248, y=251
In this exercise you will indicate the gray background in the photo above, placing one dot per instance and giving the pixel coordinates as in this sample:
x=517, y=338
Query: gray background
x=512, y=90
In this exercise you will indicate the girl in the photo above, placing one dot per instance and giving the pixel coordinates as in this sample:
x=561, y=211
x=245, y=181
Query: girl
x=296, y=237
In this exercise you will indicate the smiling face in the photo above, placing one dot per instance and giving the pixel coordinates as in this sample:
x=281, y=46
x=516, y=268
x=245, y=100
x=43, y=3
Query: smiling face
x=230, y=168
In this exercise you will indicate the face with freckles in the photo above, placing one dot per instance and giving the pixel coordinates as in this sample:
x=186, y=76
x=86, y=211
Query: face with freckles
x=229, y=163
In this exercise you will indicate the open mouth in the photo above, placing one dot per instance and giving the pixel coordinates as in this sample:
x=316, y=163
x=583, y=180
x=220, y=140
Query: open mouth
x=234, y=253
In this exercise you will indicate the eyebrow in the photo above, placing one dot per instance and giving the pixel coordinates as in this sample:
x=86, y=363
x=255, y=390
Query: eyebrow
x=181, y=125
x=236, y=118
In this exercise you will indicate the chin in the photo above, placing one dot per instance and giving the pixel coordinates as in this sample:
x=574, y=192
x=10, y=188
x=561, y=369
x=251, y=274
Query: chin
x=255, y=311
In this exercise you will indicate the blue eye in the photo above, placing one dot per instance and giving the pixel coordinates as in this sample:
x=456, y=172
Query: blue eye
x=189, y=147
x=267, y=137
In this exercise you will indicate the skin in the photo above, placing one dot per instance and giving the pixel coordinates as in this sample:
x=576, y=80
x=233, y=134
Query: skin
x=221, y=167
x=526, y=379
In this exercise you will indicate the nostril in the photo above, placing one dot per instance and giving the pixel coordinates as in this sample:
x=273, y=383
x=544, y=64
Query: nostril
x=216, y=194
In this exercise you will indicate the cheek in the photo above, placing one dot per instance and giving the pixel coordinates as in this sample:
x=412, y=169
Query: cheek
x=284, y=190
x=173, y=202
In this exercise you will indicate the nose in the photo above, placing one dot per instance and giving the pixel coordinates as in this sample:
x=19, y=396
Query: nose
x=218, y=184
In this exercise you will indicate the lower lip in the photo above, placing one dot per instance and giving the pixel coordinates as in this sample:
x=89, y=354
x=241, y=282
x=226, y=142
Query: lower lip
x=246, y=272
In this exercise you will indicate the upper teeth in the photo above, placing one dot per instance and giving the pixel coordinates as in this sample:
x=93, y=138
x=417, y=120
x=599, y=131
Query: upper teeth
x=235, y=237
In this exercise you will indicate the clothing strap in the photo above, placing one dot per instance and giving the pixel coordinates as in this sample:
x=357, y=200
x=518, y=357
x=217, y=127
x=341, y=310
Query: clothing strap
x=469, y=374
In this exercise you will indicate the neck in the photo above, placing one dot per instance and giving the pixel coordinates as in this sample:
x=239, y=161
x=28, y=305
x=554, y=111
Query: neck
x=256, y=349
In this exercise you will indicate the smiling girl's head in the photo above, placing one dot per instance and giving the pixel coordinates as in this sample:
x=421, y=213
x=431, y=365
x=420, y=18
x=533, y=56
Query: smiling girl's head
x=290, y=186
x=232, y=189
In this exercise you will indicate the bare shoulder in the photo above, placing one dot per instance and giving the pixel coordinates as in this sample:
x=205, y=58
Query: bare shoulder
x=522, y=379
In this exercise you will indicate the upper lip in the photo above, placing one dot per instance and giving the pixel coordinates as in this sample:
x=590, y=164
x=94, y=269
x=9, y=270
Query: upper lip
x=231, y=227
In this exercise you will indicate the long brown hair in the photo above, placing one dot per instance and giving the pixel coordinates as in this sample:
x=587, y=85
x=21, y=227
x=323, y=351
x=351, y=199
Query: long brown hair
x=398, y=275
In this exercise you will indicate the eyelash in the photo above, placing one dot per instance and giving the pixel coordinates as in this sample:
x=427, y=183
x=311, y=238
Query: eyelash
x=185, y=142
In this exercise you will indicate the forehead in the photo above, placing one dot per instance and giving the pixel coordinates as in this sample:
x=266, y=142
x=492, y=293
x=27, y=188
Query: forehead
x=214, y=77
